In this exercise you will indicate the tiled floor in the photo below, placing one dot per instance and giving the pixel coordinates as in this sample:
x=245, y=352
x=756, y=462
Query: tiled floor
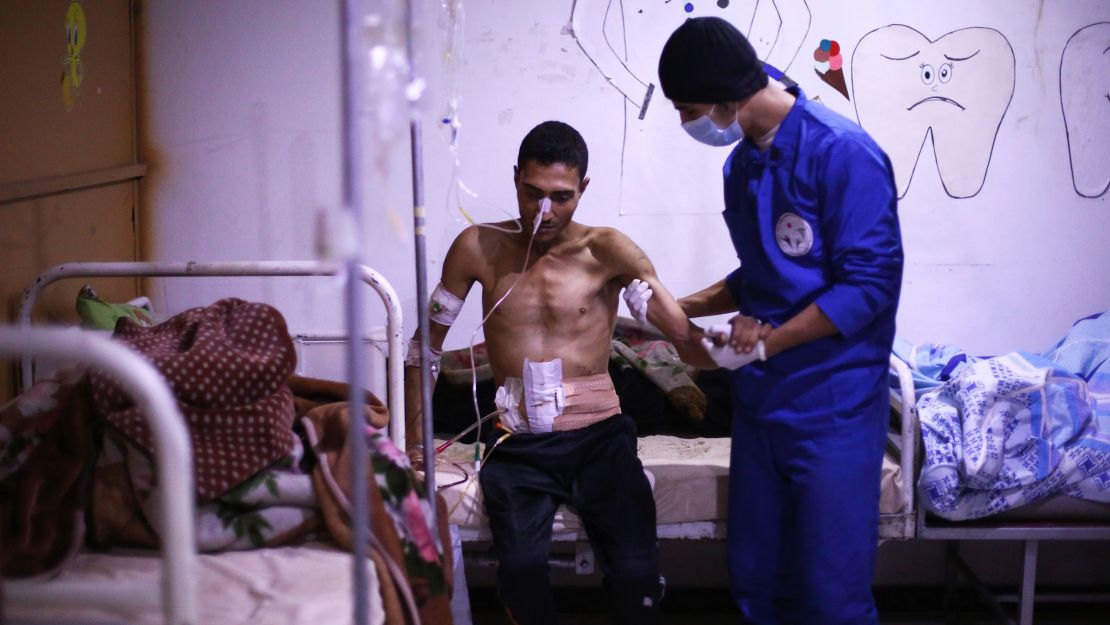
x=900, y=606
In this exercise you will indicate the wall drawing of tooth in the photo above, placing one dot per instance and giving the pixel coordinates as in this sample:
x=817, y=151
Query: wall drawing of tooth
x=1085, y=100
x=622, y=39
x=954, y=89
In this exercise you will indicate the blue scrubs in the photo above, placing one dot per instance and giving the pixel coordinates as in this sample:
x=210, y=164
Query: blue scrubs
x=813, y=219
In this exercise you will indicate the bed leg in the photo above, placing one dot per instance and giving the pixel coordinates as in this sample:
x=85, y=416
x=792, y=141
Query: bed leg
x=1028, y=583
x=951, y=582
x=583, y=558
x=460, y=597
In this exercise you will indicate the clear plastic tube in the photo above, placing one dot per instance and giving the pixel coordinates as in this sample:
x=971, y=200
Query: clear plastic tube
x=544, y=208
x=451, y=28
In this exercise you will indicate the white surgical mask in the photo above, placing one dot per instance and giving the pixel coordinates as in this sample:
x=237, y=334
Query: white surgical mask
x=704, y=130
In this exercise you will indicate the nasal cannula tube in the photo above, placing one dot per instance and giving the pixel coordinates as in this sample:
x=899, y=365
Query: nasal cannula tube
x=545, y=207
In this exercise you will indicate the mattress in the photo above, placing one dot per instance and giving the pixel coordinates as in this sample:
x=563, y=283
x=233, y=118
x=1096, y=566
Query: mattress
x=689, y=475
x=309, y=585
x=1060, y=509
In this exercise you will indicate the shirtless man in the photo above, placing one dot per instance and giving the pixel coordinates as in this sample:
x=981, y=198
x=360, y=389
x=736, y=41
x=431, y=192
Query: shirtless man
x=548, y=345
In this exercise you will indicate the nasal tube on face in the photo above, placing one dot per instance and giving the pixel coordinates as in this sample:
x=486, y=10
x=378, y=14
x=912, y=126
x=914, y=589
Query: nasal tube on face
x=545, y=207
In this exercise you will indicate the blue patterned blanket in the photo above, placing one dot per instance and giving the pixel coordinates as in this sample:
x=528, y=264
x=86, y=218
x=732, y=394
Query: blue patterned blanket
x=1003, y=432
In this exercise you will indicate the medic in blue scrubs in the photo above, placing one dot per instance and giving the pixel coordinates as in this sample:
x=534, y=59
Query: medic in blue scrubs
x=810, y=204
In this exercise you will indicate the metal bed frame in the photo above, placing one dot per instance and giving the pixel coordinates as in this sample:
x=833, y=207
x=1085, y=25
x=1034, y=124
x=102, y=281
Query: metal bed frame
x=394, y=329
x=171, y=438
x=1030, y=533
x=177, y=590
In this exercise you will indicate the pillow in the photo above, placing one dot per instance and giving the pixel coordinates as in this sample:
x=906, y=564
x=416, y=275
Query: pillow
x=97, y=314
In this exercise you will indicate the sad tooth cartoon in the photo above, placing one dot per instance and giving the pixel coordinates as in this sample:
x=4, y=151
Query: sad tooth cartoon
x=954, y=90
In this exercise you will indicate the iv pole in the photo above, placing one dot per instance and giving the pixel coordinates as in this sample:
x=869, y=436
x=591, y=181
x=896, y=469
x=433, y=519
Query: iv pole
x=352, y=72
x=418, y=220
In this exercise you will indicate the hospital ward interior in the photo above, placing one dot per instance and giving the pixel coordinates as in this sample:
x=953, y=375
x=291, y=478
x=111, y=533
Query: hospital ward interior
x=510, y=312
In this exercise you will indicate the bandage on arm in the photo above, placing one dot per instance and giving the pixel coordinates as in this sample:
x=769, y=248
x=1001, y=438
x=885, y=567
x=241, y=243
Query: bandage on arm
x=444, y=306
x=412, y=358
x=443, y=309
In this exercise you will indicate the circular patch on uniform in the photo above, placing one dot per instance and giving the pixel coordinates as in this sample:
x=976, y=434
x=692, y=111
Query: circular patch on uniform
x=794, y=235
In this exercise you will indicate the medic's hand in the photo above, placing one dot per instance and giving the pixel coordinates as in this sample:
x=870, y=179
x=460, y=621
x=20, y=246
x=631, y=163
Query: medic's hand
x=746, y=332
x=636, y=295
x=725, y=355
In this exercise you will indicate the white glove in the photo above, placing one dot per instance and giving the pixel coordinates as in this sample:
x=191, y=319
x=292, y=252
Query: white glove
x=636, y=295
x=725, y=356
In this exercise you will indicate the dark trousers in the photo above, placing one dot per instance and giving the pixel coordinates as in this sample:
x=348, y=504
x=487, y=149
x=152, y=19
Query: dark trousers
x=594, y=470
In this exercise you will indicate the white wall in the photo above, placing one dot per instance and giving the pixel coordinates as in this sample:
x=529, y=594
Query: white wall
x=242, y=104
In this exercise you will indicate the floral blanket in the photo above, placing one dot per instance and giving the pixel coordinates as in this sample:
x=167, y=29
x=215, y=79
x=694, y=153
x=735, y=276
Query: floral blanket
x=404, y=542
x=47, y=450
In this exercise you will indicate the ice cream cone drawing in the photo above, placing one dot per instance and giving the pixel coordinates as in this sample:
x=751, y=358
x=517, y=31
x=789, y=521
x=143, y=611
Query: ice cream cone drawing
x=828, y=63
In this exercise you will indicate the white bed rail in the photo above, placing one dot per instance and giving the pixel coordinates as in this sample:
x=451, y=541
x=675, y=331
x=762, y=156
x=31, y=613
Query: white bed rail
x=908, y=410
x=175, y=498
x=394, y=326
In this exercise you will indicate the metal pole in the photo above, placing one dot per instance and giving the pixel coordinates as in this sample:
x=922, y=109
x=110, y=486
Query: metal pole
x=421, y=275
x=352, y=89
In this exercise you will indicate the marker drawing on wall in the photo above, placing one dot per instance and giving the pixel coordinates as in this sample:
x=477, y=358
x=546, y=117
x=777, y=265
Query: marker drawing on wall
x=75, y=40
x=954, y=90
x=828, y=63
x=1085, y=101
x=662, y=169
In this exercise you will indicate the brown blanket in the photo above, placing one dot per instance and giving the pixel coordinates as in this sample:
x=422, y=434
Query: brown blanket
x=309, y=393
x=123, y=487
x=404, y=548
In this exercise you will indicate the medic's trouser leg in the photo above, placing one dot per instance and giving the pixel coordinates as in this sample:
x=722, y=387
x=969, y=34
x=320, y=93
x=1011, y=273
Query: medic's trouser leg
x=755, y=510
x=803, y=518
x=595, y=470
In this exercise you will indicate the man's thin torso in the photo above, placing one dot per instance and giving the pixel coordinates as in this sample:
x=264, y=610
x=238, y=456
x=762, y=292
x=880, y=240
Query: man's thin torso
x=563, y=306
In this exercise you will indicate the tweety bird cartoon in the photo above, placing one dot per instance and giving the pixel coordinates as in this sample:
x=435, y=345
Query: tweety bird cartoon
x=75, y=41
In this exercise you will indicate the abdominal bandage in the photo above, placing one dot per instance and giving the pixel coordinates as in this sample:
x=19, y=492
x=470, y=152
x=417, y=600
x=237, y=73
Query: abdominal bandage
x=546, y=402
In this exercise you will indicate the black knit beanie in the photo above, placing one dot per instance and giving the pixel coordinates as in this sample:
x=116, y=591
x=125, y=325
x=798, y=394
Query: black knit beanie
x=707, y=61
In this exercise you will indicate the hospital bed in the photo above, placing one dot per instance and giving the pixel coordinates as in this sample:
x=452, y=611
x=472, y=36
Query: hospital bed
x=310, y=584
x=175, y=589
x=690, y=486
x=1000, y=432
x=1058, y=518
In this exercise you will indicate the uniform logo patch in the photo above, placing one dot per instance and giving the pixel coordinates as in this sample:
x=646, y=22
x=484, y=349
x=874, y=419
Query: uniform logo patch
x=794, y=235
